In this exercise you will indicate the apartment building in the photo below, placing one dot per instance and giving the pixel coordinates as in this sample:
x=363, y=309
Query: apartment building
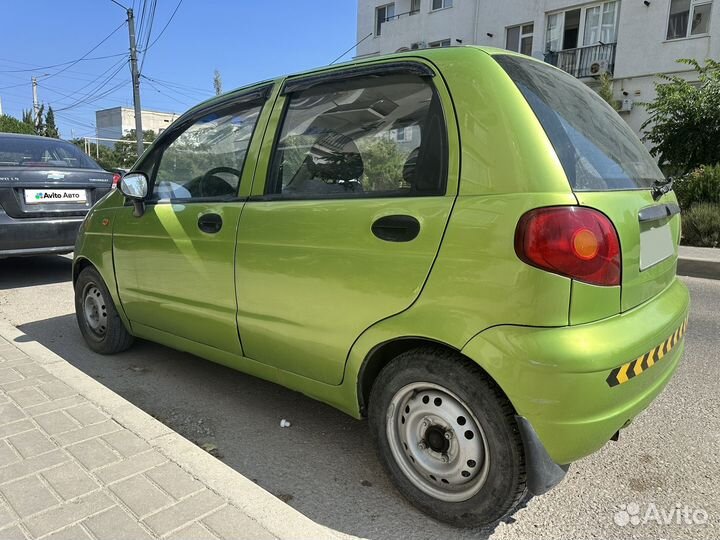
x=116, y=122
x=631, y=40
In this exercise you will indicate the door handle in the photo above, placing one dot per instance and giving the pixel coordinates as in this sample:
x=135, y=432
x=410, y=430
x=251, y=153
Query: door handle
x=397, y=228
x=210, y=223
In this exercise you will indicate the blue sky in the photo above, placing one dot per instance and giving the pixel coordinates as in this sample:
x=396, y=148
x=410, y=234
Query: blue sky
x=246, y=40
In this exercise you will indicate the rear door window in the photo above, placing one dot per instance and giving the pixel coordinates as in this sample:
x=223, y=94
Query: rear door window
x=597, y=149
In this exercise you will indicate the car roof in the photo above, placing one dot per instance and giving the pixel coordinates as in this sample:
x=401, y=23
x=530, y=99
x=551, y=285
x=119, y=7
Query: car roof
x=25, y=136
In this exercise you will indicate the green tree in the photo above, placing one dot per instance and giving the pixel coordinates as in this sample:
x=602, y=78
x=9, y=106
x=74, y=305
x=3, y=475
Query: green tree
x=126, y=152
x=51, y=129
x=606, y=90
x=217, y=82
x=684, y=122
x=8, y=124
x=383, y=164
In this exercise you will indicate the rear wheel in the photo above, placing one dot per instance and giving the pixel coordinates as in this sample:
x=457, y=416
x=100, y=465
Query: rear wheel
x=448, y=438
x=97, y=316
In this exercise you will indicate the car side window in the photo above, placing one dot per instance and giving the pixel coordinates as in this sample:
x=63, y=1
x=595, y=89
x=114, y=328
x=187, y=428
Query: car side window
x=361, y=137
x=206, y=160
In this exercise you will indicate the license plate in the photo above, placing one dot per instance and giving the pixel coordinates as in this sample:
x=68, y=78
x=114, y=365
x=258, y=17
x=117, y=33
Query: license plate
x=656, y=244
x=45, y=196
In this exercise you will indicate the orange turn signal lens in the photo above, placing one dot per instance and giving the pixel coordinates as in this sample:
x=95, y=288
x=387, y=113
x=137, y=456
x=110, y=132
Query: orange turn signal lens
x=585, y=244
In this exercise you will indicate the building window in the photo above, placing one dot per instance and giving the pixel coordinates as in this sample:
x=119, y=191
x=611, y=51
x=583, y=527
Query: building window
x=520, y=38
x=414, y=7
x=441, y=4
x=688, y=18
x=383, y=14
x=587, y=26
x=437, y=44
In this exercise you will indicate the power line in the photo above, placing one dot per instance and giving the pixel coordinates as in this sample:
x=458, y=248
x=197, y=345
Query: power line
x=184, y=104
x=149, y=33
x=40, y=68
x=164, y=27
x=91, y=96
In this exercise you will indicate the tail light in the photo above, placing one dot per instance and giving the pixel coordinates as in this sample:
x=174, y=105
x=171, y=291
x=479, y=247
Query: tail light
x=116, y=180
x=573, y=241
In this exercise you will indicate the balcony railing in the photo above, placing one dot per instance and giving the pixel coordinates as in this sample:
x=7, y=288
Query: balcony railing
x=399, y=15
x=585, y=61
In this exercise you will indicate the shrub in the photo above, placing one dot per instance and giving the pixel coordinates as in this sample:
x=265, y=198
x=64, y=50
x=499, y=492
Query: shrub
x=701, y=225
x=699, y=186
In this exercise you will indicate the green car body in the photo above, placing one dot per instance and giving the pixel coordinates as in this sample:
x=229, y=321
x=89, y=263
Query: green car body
x=300, y=292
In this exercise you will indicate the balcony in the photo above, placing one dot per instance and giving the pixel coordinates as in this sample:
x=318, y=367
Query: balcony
x=582, y=62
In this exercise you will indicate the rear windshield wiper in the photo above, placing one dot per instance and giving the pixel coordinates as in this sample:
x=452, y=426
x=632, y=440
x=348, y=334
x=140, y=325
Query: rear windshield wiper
x=661, y=187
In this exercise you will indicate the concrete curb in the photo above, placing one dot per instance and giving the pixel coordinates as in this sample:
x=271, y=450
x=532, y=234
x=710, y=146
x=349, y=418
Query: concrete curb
x=699, y=262
x=277, y=517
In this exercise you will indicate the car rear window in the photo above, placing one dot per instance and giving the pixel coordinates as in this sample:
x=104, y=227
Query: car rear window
x=30, y=152
x=597, y=149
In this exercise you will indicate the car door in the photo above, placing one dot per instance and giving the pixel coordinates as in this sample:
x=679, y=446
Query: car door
x=174, y=264
x=350, y=201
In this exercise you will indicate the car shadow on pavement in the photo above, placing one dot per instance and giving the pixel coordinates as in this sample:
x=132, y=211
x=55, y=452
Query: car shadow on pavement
x=19, y=272
x=324, y=464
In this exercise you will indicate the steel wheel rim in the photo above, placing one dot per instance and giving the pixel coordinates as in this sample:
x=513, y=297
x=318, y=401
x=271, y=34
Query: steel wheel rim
x=437, y=442
x=94, y=309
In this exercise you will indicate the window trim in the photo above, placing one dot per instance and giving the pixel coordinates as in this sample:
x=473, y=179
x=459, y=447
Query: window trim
x=520, y=35
x=444, y=5
x=688, y=28
x=439, y=44
x=581, y=30
x=377, y=30
x=256, y=96
x=402, y=67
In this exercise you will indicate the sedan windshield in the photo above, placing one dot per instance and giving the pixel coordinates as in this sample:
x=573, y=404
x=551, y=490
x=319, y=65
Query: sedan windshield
x=31, y=152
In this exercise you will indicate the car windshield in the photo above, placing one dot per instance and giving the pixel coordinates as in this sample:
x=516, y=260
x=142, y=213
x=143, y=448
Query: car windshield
x=31, y=152
x=597, y=149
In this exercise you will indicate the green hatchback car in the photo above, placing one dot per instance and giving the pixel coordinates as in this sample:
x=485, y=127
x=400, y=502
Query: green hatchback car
x=466, y=246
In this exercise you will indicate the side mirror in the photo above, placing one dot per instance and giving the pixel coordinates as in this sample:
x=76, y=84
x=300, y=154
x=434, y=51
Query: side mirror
x=135, y=187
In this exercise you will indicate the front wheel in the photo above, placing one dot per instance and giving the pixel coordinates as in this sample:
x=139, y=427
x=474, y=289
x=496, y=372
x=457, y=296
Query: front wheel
x=448, y=437
x=97, y=316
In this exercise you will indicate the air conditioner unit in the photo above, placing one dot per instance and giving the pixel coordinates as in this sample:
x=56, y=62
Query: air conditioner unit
x=626, y=105
x=599, y=67
x=417, y=45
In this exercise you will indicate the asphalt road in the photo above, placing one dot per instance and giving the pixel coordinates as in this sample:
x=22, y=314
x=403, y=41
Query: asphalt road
x=325, y=466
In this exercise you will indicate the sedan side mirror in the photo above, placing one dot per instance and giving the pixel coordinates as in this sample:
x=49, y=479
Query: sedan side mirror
x=135, y=187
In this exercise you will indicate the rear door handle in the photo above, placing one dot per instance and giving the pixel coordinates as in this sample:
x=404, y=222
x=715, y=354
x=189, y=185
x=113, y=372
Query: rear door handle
x=210, y=223
x=398, y=228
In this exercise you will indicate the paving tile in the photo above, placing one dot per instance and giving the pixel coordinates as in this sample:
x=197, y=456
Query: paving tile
x=6, y=517
x=126, y=442
x=32, y=465
x=88, y=432
x=25, y=383
x=140, y=495
x=129, y=467
x=57, y=389
x=7, y=454
x=30, y=370
x=193, y=532
x=9, y=375
x=15, y=427
x=69, y=480
x=183, y=512
x=174, y=480
x=54, y=405
x=55, y=422
x=13, y=533
x=28, y=496
x=31, y=443
x=27, y=397
x=93, y=454
x=13, y=353
x=229, y=522
x=68, y=513
x=9, y=412
x=86, y=414
x=115, y=524
x=76, y=532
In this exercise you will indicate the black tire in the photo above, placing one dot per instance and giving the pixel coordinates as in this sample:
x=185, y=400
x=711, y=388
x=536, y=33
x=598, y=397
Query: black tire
x=110, y=335
x=504, y=484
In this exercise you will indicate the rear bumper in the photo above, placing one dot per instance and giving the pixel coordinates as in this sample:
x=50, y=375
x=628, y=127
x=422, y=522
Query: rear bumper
x=564, y=381
x=33, y=236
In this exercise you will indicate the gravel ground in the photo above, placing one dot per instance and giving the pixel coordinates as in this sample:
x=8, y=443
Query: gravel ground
x=324, y=465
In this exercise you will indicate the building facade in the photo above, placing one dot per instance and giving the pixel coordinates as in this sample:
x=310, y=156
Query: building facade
x=631, y=40
x=119, y=121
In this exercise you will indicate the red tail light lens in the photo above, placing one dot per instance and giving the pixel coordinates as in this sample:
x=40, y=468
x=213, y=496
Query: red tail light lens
x=580, y=243
x=116, y=180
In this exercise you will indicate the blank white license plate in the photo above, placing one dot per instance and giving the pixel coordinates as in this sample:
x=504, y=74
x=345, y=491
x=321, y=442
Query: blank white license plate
x=656, y=244
x=45, y=196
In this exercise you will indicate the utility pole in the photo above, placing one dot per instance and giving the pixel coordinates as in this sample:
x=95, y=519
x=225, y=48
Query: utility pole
x=135, y=82
x=36, y=104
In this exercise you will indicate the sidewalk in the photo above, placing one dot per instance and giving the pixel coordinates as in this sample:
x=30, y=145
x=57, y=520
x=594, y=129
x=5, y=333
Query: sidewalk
x=699, y=262
x=79, y=462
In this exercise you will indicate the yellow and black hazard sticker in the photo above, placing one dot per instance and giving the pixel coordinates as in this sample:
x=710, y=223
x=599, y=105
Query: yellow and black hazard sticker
x=642, y=363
